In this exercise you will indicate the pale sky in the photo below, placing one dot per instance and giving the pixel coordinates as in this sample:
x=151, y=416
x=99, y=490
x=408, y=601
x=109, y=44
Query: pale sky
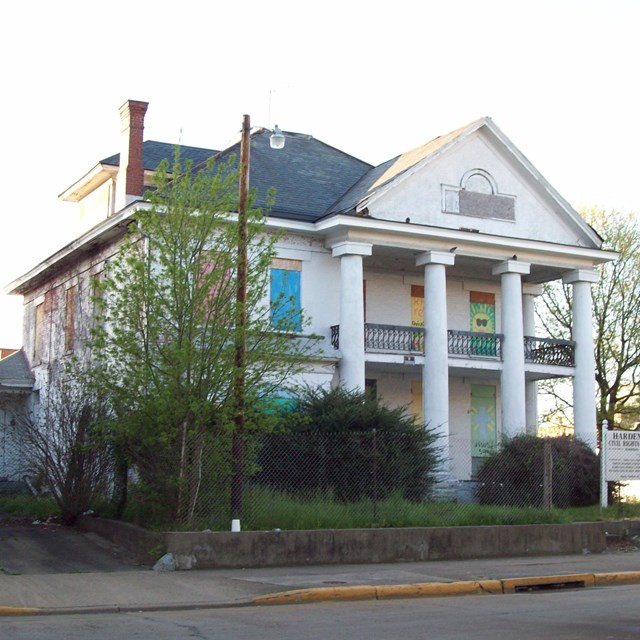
x=374, y=79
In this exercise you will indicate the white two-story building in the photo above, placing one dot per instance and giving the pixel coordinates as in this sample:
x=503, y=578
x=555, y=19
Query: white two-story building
x=420, y=274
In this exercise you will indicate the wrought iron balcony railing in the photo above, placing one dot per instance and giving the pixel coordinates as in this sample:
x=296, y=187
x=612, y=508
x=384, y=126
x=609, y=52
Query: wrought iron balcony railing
x=335, y=336
x=389, y=337
x=548, y=351
x=401, y=339
x=472, y=343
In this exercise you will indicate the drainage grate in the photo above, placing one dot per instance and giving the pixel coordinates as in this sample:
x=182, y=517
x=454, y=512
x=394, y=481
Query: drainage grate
x=549, y=586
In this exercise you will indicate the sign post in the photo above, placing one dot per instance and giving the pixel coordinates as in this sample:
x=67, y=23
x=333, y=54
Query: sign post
x=604, y=487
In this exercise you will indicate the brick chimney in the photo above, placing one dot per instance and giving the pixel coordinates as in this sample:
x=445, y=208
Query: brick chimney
x=130, y=180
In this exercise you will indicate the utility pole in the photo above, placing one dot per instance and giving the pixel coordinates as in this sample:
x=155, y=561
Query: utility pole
x=240, y=362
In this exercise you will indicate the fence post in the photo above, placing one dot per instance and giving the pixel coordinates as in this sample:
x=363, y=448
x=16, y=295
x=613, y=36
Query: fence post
x=374, y=474
x=604, y=486
x=548, y=476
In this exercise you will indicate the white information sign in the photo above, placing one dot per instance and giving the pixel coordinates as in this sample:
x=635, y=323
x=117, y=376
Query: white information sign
x=622, y=457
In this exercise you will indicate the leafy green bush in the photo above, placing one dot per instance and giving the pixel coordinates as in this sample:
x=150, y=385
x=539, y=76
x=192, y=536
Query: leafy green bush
x=516, y=474
x=350, y=444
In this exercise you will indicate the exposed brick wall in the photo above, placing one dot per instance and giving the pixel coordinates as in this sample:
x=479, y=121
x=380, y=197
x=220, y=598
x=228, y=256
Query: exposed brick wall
x=130, y=180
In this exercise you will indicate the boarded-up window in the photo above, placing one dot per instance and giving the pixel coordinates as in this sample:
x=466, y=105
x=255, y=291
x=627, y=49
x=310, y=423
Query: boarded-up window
x=483, y=424
x=96, y=299
x=286, y=306
x=70, y=318
x=216, y=277
x=482, y=310
x=482, y=314
x=38, y=338
x=417, y=305
x=364, y=299
x=416, y=400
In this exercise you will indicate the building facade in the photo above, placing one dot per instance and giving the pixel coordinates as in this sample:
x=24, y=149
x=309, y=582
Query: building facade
x=419, y=275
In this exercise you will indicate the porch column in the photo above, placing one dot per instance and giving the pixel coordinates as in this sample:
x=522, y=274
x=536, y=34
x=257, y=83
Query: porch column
x=512, y=379
x=529, y=294
x=435, y=376
x=351, y=313
x=584, y=386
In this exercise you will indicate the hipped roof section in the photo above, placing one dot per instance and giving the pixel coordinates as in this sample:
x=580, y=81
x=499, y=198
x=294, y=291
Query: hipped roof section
x=15, y=374
x=153, y=153
x=308, y=176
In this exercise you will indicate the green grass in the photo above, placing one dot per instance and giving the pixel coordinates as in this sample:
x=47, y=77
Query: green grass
x=266, y=510
x=28, y=506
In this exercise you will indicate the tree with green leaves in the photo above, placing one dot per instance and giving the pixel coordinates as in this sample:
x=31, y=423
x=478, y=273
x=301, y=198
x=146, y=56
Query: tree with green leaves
x=616, y=303
x=165, y=341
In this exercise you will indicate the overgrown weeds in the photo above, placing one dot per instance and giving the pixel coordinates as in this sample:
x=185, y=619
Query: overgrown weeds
x=27, y=506
x=267, y=510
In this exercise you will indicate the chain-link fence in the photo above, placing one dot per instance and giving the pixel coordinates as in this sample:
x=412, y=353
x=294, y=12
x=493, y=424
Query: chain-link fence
x=311, y=480
x=13, y=462
x=348, y=479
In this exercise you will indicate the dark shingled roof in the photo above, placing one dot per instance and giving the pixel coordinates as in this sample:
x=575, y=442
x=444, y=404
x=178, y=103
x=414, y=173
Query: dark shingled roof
x=153, y=153
x=308, y=175
x=15, y=372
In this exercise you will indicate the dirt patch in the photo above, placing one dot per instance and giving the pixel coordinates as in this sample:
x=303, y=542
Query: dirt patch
x=34, y=547
x=621, y=544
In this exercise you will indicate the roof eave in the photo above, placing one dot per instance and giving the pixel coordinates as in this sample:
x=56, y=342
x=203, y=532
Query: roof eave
x=15, y=386
x=89, y=182
x=386, y=186
x=109, y=228
x=545, y=185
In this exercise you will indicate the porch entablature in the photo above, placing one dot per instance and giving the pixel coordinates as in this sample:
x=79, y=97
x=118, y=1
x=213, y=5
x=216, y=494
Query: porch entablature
x=395, y=245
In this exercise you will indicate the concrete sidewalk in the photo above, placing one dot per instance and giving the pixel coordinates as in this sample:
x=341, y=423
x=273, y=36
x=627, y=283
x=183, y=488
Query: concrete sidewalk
x=144, y=589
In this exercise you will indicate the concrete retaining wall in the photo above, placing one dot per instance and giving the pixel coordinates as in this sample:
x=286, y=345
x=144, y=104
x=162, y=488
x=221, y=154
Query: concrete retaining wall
x=145, y=546
x=210, y=550
x=623, y=528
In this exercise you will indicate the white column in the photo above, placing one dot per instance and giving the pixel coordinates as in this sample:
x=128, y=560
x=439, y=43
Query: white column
x=351, y=313
x=512, y=380
x=584, y=386
x=435, y=376
x=529, y=294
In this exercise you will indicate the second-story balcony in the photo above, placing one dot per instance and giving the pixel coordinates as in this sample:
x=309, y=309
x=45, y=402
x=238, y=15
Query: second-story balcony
x=410, y=340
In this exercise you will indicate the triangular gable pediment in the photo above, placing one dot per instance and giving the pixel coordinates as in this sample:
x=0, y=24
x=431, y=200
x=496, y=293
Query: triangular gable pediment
x=472, y=179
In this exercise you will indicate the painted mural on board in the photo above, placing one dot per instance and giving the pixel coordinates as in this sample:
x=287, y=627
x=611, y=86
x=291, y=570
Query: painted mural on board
x=417, y=305
x=483, y=420
x=482, y=313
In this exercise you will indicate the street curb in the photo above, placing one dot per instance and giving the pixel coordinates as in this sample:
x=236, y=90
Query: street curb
x=18, y=611
x=435, y=589
x=114, y=608
x=362, y=592
x=624, y=577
